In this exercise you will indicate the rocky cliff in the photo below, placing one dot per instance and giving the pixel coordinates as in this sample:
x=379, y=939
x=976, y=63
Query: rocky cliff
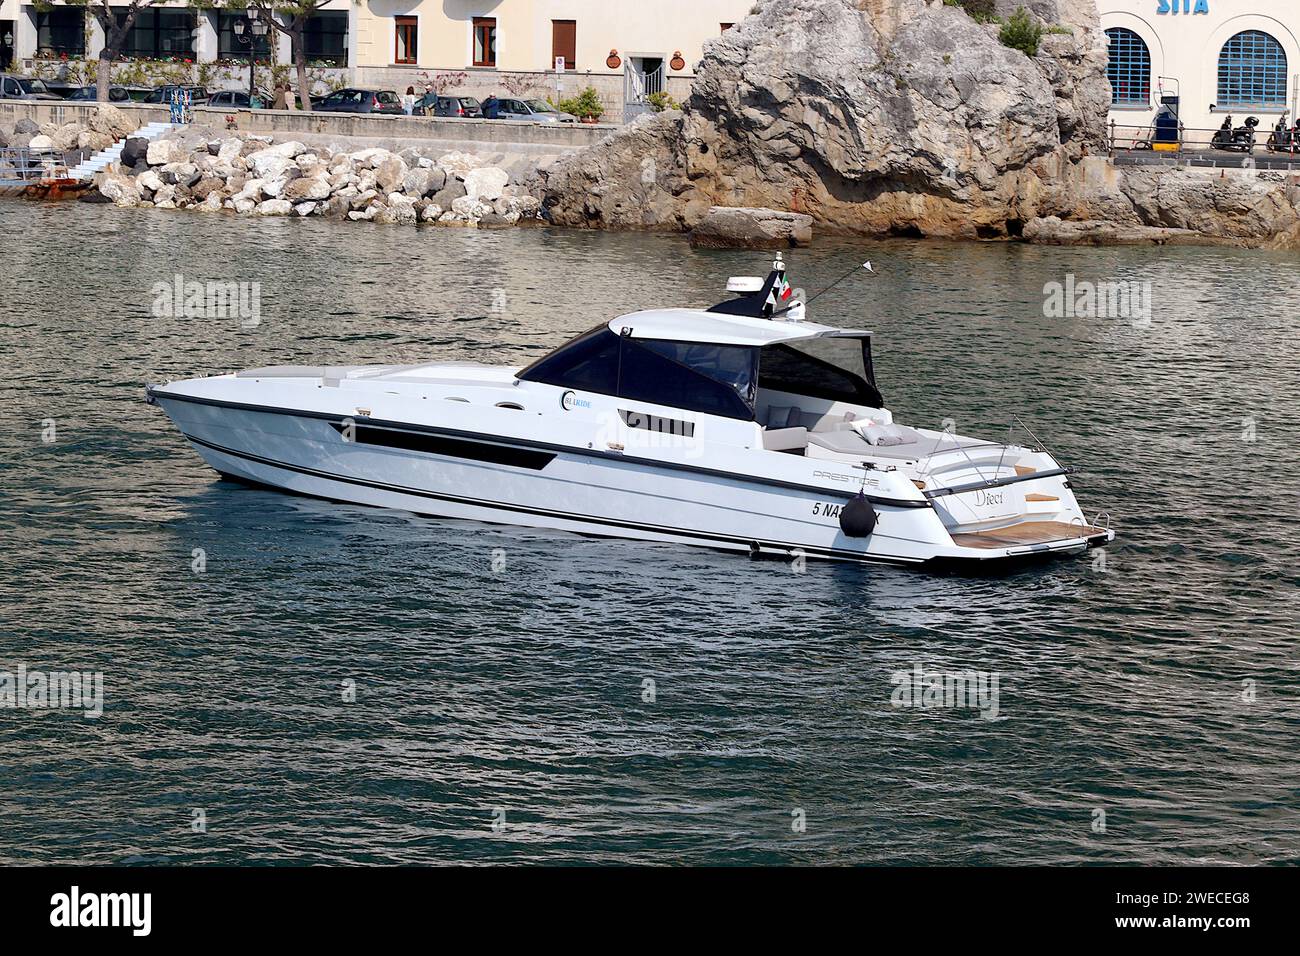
x=892, y=117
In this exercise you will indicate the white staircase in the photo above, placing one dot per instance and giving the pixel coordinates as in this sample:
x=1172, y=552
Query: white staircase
x=99, y=161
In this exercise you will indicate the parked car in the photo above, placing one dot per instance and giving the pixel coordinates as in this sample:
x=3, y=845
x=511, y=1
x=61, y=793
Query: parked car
x=238, y=100
x=116, y=94
x=14, y=87
x=361, y=100
x=539, y=111
x=466, y=106
x=163, y=94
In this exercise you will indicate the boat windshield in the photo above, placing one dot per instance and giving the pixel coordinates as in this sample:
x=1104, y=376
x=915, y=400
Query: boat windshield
x=836, y=368
x=702, y=377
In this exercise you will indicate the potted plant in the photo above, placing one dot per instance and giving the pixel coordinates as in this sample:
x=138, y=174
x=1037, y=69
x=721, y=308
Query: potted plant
x=586, y=106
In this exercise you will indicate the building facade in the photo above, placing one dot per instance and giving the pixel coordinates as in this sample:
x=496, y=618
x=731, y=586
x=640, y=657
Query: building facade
x=625, y=49
x=1220, y=57
x=49, y=37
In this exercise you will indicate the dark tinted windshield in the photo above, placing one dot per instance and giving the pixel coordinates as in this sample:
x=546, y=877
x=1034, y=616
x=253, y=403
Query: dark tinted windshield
x=715, y=379
x=33, y=86
x=841, y=373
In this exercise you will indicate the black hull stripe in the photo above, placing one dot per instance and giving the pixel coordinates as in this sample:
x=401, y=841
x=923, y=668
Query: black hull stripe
x=542, y=512
x=848, y=492
x=448, y=447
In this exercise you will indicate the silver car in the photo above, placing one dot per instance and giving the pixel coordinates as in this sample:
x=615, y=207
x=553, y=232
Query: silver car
x=13, y=87
x=539, y=111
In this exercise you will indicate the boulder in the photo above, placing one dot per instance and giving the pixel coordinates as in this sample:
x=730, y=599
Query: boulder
x=163, y=151
x=430, y=212
x=92, y=141
x=486, y=183
x=449, y=193
x=25, y=127
x=741, y=228
x=390, y=174
x=206, y=187
x=363, y=215
x=134, y=151
x=268, y=164
x=467, y=207
x=66, y=136
x=423, y=181
x=111, y=121
x=273, y=207
x=457, y=164
x=308, y=188
x=40, y=141
x=122, y=189
x=149, y=180
x=305, y=208
x=402, y=207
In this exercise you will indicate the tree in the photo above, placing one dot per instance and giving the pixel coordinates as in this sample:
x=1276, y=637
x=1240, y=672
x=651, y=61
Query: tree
x=115, y=32
x=292, y=22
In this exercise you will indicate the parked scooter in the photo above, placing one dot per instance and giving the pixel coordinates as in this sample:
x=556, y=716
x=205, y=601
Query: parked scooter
x=1284, y=139
x=1241, y=139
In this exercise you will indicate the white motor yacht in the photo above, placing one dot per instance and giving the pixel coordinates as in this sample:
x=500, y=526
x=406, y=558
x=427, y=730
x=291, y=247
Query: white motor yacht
x=743, y=427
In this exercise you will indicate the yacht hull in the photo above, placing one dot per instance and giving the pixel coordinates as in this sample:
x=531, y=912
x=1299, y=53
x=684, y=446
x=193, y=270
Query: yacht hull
x=447, y=474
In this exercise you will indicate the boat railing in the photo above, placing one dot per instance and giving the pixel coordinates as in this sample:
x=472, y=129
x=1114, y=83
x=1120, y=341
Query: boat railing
x=20, y=165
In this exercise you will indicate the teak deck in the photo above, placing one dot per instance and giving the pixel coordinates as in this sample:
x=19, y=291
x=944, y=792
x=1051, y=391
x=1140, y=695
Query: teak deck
x=1029, y=532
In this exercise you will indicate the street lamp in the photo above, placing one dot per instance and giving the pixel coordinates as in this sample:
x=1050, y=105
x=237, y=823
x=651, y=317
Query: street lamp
x=250, y=32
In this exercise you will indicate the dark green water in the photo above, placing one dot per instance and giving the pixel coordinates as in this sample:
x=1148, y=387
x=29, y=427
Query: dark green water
x=518, y=694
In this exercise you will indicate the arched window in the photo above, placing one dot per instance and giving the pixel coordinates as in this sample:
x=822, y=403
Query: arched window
x=1130, y=68
x=1252, y=71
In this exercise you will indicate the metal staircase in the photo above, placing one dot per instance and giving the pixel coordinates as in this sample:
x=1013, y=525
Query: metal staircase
x=100, y=161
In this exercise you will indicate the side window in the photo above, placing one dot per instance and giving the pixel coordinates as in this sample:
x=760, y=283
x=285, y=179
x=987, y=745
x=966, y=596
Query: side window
x=588, y=363
x=11, y=88
x=732, y=365
x=647, y=376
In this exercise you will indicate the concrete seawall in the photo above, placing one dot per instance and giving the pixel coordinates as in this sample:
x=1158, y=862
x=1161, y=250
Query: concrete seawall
x=487, y=134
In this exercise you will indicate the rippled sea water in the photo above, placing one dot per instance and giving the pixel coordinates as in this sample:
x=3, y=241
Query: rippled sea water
x=1160, y=690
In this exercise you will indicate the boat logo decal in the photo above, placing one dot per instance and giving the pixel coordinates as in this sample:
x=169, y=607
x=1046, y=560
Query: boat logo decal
x=570, y=400
x=855, y=479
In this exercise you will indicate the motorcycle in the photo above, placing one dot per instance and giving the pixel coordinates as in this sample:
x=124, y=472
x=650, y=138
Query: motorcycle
x=1241, y=139
x=1284, y=139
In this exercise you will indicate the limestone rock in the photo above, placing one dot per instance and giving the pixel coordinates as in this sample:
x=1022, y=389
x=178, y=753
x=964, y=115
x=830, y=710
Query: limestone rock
x=458, y=164
x=486, y=183
x=111, y=121
x=390, y=174
x=724, y=228
x=273, y=207
x=40, y=141
x=916, y=120
x=449, y=193
x=163, y=151
x=124, y=190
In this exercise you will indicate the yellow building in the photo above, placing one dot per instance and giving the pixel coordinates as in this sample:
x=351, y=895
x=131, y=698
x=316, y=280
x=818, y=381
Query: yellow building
x=626, y=49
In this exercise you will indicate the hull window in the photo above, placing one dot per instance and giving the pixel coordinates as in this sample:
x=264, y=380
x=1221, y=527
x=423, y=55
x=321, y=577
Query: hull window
x=449, y=447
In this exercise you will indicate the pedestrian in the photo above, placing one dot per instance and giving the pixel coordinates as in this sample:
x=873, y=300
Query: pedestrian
x=408, y=100
x=281, y=100
x=290, y=98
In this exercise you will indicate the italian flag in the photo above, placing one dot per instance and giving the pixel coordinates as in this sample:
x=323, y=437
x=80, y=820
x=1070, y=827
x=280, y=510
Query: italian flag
x=781, y=290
